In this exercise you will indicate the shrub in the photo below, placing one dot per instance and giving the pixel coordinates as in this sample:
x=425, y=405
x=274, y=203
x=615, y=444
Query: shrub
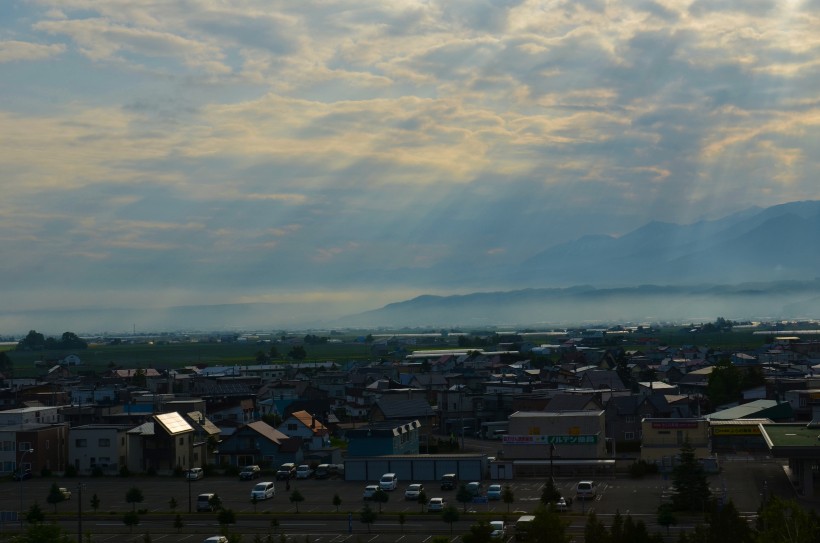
x=125, y=472
x=70, y=471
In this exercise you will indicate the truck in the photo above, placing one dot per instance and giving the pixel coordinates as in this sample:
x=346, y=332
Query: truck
x=523, y=526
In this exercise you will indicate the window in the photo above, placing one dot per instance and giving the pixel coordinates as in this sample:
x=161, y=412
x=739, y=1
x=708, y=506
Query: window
x=629, y=418
x=79, y=443
x=182, y=441
x=8, y=445
x=25, y=446
x=629, y=436
x=292, y=427
x=104, y=442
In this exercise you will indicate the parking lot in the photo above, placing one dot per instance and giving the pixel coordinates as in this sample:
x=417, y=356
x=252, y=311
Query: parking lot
x=743, y=482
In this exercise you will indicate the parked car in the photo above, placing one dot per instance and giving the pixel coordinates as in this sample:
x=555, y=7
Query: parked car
x=65, y=492
x=216, y=539
x=499, y=530
x=412, y=492
x=369, y=490
x=474, y=488
x=389, y=481
x=18, y=476
x=304, y=472
x=263, y=491
x=586, y=490
x=286, y=471
x=322, y=471
x=494, y=492
x=250, y=472
x=561, y=504
x=449, y=481
x=203, y=502
x=195, y=474
x=436, y=505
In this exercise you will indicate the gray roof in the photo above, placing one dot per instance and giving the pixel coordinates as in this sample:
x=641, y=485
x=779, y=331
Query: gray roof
x=395, y=408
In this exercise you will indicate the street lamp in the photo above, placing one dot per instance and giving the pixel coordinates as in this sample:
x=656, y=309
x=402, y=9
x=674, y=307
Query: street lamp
x=80, y=512
x=22, y=478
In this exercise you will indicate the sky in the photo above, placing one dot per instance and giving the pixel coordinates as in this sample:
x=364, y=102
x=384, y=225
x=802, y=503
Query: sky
x=338, y=155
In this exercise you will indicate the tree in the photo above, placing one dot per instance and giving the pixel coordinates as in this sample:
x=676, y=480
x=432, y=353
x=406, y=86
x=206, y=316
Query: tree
x=367, y=516
x=254, y=501
x=548, y=526
x=131, y=519
x=380, y=497
x=273, y=353
x=34, y=341
x=41, y=533
x=785, y=520
x=450, y=515
x=215, y=502
x=666, y=516
x=725, y=383
x=172, y=504
x=726, y=524
x=226, y=516
x=297, y=352
x=507, y=496
x=595, y=531
x=423, y=499
x=134, y=496
x=464, y=496
x=296, y=498
x=689, y=484
x=480, y=532
x=95, y=502
x=5, y=362
x=337, y=501
x=550, y=492
x=178, y=524
x=55, y=496
x=402, y=520
x=139, y=378
x=35, y=514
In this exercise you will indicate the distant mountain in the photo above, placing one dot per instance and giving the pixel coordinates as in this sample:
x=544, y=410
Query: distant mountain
x=772, y=244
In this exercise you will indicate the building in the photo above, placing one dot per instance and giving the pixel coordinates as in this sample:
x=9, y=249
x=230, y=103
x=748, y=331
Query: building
x=101, y=448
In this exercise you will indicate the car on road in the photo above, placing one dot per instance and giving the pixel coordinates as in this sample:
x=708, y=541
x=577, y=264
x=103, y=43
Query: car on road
x=499, y=530
x=286, y=471
x=250, y=472
x=412, y=491
x=304, y=472
x=494, y=492
x=65, y=492
x=436, y=505
x=216, y=539
x=194, y=474
x=369, y=490
x=263, y=491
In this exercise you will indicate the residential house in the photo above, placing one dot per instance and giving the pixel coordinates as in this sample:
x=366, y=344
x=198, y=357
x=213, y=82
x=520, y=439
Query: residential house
x=387, y=437
x=46, y=443
x=101, y=448
x=161, y=445
x=259, y=443
x=308, y=427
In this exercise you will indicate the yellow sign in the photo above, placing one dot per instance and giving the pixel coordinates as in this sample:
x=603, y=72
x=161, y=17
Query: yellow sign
x=735, y=431
x=575, y=431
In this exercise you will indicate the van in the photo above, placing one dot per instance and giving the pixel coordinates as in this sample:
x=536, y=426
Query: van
x=203, y=502
x=586, y=490
x=449, y=481
x=523, y=526
x=322, y=471
x=389, y=481
x=263, y=491
x=195, y=474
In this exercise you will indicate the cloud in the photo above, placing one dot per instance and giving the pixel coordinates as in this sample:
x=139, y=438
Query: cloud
x=11, y=51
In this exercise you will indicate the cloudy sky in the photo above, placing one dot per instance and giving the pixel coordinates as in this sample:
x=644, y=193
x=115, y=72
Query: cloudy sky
x=348, y=153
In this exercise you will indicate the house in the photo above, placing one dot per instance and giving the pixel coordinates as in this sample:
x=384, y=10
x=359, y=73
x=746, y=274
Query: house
x=98, y=448
x=35, y=446
x=573, y=402
x=161, y=445
x=306, y=426
x=259, y=443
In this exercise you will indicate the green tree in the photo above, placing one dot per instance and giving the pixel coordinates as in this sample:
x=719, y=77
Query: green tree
x=178, y=524
x=782, y=521
x=55, y=496
x=402, y=520
x=5, y=362
x=35, y=514
x=296, y=498
x=508, y=496
x=726, y=524
x=337, y=501
x=666, y=516
x=297, y=352
x=689, y=484
x=595, y=531
x=464, y=496
x=254, y=502
x=139, y=379
x=450, y=515
x=725, y=383
x=215, y=502
x=423, y=499
x=95, y=502
x=134, y=496
x=34, y=341
x=131, y=519
x=481, y=532
x=548, y=526
x=367, y=516
x=43, y=533
x=550, y=492
x=226, y=516
x=381, y=497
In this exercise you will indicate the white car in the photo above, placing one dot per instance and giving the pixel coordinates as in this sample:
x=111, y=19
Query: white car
x=304, y=472
x=369, y=490
x=263, y=491
x=498, y=528
x=436, y=505
x=494, y=492
x=195, y=474
x=412, y=492
x=216, y=539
